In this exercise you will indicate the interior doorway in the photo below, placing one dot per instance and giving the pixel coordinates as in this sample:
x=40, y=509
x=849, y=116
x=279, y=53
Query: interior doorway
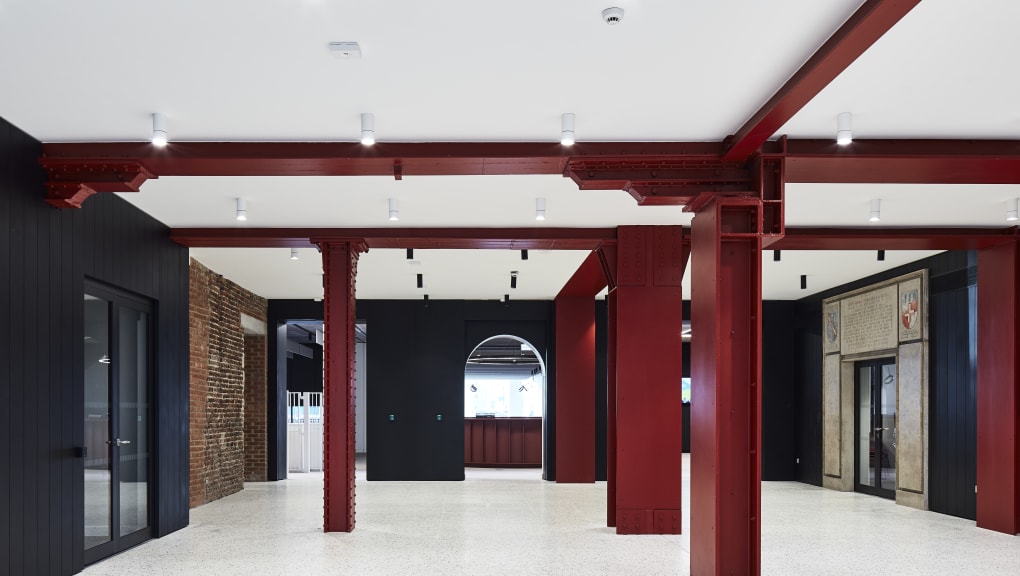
x=116, y=456
x=504, y=390
x=875, y=444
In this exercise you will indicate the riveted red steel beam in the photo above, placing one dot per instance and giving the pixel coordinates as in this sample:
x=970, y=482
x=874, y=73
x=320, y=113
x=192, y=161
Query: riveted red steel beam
x=340, y=265
x=903, y=162
x=70, y=182
x=998, y=389
x=869, y=23
x=648, y=359
x=353, y=159
x=725, y=376
x=894, y=238
x=422, y=238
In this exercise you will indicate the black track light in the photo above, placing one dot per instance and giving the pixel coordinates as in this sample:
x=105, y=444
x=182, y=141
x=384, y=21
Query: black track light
x=803, y=281
x=421, y=281
x=513, y=280
x=506, y=300
x=410, y=253
x=881, y=255
x=426, y=300
x=777, y=255
x=524, y=254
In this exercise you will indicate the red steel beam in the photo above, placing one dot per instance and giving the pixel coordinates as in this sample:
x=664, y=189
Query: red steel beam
x=873, y=19
x=893, y=238
x=588, y=280
x=423, y=238
x=903, y=162
x=353, y=159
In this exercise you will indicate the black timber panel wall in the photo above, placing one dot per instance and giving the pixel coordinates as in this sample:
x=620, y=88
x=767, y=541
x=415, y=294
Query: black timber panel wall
x=416, y=357
x=45, y=255
x=953, y=392
x=779, y=392
x=952, y=412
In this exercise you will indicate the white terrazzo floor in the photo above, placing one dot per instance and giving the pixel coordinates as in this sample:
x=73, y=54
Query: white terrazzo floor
x=510, y=522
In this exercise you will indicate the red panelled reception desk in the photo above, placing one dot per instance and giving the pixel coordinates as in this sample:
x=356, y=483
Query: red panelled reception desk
x=503, y=442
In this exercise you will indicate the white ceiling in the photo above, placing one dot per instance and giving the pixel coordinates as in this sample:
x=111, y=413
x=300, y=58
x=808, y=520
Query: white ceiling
x=463, y=70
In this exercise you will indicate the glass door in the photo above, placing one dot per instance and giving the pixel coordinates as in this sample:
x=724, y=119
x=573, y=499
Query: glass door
x=876, y=427
x=116, y=419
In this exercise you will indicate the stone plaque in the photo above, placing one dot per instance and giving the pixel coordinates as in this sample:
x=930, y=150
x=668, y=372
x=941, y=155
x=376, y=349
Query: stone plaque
x=868, y=321
x=911, y=311
x=830, y=328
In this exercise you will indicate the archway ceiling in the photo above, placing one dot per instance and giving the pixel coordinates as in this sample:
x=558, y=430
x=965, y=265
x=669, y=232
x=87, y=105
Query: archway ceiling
x=458, y=70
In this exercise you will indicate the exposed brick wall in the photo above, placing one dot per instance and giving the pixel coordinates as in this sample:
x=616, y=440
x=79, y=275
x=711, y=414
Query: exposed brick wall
x=255, y=408
x=219, y=356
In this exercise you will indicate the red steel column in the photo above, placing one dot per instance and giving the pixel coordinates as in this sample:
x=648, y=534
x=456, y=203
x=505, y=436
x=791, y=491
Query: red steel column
x=340, y=264
x=575, y=389
x=649, y=321
x=998, y=424
x=726, y=396
x=611, y=410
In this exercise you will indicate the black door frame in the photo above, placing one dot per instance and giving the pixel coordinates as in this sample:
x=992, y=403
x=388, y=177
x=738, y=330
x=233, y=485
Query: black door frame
x=116, y=300
x=875, y=366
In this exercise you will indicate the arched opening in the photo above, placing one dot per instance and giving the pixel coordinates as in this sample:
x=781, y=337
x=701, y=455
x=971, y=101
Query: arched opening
x=504, y=398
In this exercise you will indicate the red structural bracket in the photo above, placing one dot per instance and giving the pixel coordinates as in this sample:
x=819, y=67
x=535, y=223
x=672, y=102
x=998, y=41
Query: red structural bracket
x=872, y=20
x=71, y=181
x=340, y=264
x=661, y=181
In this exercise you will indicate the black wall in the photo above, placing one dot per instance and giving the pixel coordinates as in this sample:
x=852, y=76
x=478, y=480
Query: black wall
x=779, y=392
x=952, y=310
x=416, y=357
x=45, y=256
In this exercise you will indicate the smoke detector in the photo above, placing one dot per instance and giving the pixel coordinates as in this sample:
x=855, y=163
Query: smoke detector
x=345, y=50
x=612, y=16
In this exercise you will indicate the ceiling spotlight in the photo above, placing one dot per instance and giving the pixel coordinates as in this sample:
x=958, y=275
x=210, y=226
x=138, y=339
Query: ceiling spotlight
x=567, y=129
x=540, y=209
x=777, y=255
x=803, y=281
x=1011, y=210
x=881, y=256
x=876, y=210
x=242, y=210
x=421, y=280
x=158, y=130
x=394, y=210
x=844, y=134
x=426, y=300
x=524, y=254
x=506, y=300
x=294, y=254
x=513, y=279
x=368, y=128
x=410, y=253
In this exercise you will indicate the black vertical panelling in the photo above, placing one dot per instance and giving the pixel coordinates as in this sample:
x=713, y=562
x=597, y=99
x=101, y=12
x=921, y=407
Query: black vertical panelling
x=6, y=374
x=45, y=254
x=601, y=385
x=807, y=353
x=779, y=391
x=952, y=387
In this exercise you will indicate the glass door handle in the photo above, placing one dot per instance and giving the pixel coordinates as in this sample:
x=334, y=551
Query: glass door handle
x=118, y=442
